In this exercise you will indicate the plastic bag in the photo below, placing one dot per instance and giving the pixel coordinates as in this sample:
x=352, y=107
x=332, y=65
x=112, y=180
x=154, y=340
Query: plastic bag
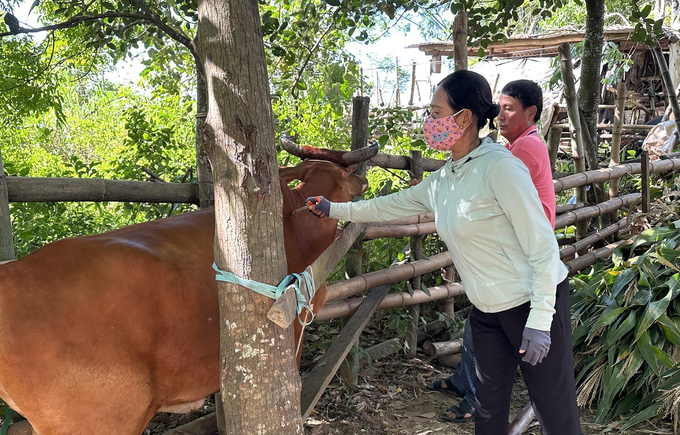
x=660, y=139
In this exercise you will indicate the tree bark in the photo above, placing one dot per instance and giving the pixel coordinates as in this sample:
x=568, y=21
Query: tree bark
x=460, y=26
x=206, y=195
x=258, y=370
x=589, y=87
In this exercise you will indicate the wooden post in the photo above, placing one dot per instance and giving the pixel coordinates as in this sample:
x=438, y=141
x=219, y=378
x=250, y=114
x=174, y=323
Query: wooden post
x=617, y=131
x=413, y=83
x=554, y=138
x=416, y=243
x=6, y=239
x=575, y=130
x=446, y=306
x=644, y=177
x=349, y=369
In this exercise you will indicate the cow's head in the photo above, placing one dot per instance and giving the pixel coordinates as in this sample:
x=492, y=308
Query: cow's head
x=327, y=172
x=322, y=172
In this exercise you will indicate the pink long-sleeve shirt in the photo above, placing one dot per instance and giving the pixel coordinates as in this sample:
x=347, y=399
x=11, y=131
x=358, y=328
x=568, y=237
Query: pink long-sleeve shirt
x=531, y=150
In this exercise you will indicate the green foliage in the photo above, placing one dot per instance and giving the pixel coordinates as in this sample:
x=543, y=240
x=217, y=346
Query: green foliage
x=91, y=141
x=626, y=316
x=647, y=29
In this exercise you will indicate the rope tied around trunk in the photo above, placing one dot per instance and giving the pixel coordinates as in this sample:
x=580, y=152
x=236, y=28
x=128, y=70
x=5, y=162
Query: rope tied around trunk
x=294, y=280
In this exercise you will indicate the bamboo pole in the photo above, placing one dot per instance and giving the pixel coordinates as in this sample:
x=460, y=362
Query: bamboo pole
x=347, y=307
x=358, y=284
x=554, y=138
x=644, y=178
x=413, y=83
x=581, y=215
x=416, y=243
x=614, y=159
x=417, y=219
x=624, y=127
x=349, y=369
x=380, y=350
x=575, y=130
x=589, y=258
x=591, y=239
x=37, y=189
x=431, y=329
x=563, y=208
x=385, y=231
x=604, y=174
x=6, y=237
x=397, y=101
x=402, y=162
x=443, y=347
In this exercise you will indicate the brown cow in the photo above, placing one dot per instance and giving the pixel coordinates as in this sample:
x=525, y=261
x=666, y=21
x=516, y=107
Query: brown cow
x=99, y=333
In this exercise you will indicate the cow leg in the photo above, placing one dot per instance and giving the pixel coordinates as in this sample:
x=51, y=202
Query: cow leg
x=109, y=406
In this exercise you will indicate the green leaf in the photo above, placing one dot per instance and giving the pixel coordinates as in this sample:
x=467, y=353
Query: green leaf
x=425, y=289
x=608, y=317
x=646, y=414
x=644, y=13
x=663, y=357
x=652, y=313
x=623, y=279
x=625, y=326
x=644, y=346
x=670, y=329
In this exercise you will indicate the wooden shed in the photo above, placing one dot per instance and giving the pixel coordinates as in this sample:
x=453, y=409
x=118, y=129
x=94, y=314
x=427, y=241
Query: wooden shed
x=643, y=80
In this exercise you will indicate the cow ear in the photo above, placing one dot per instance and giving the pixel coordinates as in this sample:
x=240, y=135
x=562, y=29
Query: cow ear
x=294, y=173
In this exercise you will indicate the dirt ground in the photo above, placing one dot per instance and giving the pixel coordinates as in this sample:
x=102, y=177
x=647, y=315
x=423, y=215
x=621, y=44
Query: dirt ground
x=392, y=398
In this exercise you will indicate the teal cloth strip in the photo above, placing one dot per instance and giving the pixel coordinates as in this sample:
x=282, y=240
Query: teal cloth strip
x=273, y=292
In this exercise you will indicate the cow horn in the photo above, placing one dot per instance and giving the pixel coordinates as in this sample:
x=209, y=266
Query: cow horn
x=343, y=158
x=361, y=155
x=290, y=146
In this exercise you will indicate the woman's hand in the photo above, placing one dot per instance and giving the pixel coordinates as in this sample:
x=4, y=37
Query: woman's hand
x=535, y=344
x=319, y=205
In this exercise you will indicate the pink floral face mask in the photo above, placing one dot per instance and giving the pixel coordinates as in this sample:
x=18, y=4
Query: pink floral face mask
x=442, y=133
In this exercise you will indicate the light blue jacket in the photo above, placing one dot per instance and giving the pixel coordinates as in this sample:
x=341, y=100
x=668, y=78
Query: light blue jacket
x=487, y=211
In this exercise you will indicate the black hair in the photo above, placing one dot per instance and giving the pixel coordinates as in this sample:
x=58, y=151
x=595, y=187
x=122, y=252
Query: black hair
x=469, y=90
x=526, y=92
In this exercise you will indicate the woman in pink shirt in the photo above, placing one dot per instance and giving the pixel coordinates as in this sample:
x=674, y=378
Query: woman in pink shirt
x=521, y=104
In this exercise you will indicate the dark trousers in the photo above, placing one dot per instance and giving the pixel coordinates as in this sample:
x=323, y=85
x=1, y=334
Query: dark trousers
x=497, y=338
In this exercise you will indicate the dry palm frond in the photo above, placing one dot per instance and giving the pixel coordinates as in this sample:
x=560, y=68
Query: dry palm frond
x=631, y=291
x=591, y=388
x=670, y=404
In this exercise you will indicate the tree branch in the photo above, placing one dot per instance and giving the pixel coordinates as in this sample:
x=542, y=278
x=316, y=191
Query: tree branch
x=77, y=20
x=172, y=33
x=309, y=56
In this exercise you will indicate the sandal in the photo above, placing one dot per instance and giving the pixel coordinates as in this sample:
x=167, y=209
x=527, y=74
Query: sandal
x=437, y=386
x=460, y=411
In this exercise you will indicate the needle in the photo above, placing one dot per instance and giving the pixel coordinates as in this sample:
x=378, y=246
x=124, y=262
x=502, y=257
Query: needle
x=306, y=207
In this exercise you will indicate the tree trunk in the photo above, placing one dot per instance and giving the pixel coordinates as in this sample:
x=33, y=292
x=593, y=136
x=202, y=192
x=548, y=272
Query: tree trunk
x=460, y=32
x=206, y=196
x=258, y=371
x=589, y=87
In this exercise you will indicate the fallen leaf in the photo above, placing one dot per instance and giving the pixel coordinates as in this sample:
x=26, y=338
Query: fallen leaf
x=428, y=415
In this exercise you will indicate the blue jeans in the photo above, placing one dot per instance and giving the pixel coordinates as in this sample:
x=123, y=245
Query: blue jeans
x=464, y=377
